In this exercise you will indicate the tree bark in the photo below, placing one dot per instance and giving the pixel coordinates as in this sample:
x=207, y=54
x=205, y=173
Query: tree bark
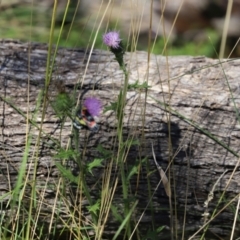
x=186, y=98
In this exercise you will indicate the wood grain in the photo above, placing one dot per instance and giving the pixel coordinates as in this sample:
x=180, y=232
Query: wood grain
x=202, y=90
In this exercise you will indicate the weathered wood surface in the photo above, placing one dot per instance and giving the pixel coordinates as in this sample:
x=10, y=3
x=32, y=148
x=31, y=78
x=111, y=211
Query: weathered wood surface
x=196, y=87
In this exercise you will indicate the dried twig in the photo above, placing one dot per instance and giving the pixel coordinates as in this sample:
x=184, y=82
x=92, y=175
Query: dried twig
x=163, y=176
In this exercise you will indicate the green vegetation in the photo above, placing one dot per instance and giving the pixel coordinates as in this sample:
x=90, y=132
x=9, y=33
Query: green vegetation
x=90, y=206
x=24, y=23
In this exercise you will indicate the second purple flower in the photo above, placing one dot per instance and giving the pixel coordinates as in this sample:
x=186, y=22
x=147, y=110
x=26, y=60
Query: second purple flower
x=93, y=105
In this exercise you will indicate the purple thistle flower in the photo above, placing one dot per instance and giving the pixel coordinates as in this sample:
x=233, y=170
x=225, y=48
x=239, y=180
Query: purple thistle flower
x=93, y=106
x=112, y=40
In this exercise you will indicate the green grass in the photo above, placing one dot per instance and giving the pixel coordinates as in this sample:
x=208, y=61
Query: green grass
x=16, y=23
x=24, y=23
x=27, y=24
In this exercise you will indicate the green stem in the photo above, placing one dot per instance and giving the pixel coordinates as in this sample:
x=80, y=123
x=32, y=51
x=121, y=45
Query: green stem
x=121, y=157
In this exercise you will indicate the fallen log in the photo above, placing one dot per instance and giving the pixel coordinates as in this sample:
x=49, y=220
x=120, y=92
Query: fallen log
x=186, y=107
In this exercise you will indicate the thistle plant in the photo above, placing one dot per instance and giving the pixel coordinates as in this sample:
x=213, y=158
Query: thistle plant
x=85, y=116
x=115, y=45
x=93, y=106
x=113, y=41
